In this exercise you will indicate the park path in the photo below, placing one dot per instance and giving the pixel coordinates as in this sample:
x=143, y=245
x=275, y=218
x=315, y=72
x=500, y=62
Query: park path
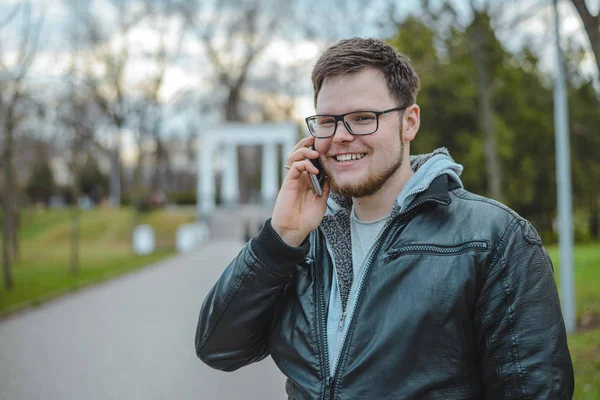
x=130, y=338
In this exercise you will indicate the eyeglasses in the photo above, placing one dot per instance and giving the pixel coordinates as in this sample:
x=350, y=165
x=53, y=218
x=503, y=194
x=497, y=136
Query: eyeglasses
x=356, y=122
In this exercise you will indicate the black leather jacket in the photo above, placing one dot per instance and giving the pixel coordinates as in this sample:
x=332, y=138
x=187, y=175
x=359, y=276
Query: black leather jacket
x=459, y=302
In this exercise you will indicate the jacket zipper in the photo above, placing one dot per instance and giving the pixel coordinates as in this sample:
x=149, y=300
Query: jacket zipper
x=377, y=246
x=420, y=248
x=323, y=318
x=330, y=380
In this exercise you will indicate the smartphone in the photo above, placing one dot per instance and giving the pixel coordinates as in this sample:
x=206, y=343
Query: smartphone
x=319, y=179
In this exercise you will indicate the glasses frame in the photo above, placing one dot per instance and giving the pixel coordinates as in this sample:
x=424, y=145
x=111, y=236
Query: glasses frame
x=340, y=117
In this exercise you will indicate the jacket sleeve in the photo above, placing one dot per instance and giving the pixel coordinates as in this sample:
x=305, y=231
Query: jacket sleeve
x=519, y=326
x=236, y=314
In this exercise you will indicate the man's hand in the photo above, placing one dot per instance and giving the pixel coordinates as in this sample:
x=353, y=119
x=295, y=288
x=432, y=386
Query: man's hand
x=298, y=210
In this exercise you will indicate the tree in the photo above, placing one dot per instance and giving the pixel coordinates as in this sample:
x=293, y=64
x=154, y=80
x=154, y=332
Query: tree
x=77, y=117
x=138, y=103
x=234, y=36
x=151, y=102
x=106, y=61
x=584, y=119
x=247, y=28
x=482, y=40
x=91, y=180
x=591, y=24
x=15, y=104
x=445, y=23
x=41, y=182
x=522, y=104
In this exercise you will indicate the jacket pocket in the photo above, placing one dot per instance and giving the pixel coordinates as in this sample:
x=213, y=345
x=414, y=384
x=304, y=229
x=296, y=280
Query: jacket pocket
x=435, y=249
x=440, y=281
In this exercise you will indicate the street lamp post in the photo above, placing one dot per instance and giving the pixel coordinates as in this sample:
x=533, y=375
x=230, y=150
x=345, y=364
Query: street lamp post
x=563, y=178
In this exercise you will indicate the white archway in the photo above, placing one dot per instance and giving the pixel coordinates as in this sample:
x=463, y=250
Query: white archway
x=232, y=135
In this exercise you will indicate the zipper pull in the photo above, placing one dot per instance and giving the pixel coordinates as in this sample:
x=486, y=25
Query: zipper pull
x=342, y=320
x=329, y=388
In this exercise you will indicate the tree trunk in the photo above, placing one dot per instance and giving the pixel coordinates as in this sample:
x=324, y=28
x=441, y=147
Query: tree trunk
x=6, y=248
x=592, y=28
x=75, y=236
x=594, y=219
x=232, y=107
x=115, y=178
x=494, y=178
x=7, y=205
x=75, y=226
x=158, y=177
x=138, y=172
x=15, y=228
x=169, y=176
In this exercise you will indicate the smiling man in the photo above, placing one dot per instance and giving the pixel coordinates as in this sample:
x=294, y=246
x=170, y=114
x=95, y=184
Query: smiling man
x=396, y=282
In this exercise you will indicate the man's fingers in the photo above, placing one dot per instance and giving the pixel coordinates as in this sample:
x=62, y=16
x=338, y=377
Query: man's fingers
x=304, y=142
x=300, y=146
x=326, y=188
x=298, y=167
x=300, y=154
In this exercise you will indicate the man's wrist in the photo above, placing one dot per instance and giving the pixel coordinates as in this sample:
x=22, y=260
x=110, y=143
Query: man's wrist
x=291, y=238
x=273, y=250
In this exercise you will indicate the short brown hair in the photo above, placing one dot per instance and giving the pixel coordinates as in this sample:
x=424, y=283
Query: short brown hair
x=350, y=56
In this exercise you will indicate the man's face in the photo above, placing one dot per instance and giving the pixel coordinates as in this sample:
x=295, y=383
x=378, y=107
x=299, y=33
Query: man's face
x=382, y=151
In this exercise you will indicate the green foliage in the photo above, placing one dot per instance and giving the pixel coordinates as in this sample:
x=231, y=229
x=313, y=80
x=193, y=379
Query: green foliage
x=41, y=184
x=187, y=198
x=92, y=181
x=522, y=99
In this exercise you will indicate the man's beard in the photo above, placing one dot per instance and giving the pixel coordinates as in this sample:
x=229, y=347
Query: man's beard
x=371, y=184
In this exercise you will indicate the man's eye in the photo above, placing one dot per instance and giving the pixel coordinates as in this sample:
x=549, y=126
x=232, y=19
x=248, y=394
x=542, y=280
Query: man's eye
x=326, y=122
x=363, y=118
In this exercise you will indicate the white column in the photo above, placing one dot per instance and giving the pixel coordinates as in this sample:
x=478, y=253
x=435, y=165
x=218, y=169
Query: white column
x=230, y=189
x=269, y=186
x=206, y=185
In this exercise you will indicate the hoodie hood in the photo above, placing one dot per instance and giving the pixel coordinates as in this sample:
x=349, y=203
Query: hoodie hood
x=426, y=168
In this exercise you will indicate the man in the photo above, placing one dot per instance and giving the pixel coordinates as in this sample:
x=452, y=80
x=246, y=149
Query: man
x=396, y=283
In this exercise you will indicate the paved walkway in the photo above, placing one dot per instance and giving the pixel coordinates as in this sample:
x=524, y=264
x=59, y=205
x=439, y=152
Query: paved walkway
x=130, y=338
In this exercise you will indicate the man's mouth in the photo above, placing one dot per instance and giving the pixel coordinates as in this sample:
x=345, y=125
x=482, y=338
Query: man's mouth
x=349, y=157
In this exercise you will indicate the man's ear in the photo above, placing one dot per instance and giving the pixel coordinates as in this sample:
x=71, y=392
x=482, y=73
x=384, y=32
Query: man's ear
x=412, y=121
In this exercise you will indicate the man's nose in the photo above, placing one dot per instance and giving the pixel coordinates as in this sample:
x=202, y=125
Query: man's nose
x=342, y=134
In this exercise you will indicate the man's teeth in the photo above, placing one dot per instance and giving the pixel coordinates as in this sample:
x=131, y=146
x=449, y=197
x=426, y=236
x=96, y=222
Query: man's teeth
x=349, y=157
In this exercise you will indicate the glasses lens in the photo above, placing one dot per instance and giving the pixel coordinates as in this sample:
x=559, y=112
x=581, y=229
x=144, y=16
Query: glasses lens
x=362, y=123
x=321, y=126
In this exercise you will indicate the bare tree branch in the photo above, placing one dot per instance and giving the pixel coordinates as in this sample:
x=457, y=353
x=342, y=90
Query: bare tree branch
x=11, y=15
x=233, y=37
x=29, y=51
x=592, y=28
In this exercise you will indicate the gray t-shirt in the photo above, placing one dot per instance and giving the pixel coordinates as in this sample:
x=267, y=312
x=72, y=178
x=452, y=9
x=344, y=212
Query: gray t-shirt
x=363, y=235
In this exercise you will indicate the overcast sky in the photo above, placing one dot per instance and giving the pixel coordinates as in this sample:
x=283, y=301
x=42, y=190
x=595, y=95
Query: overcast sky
x=55, y=45
x=190, y=71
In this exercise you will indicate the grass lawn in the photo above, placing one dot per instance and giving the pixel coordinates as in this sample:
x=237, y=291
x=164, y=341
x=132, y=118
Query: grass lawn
x=105, y=250
x=585, y=345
